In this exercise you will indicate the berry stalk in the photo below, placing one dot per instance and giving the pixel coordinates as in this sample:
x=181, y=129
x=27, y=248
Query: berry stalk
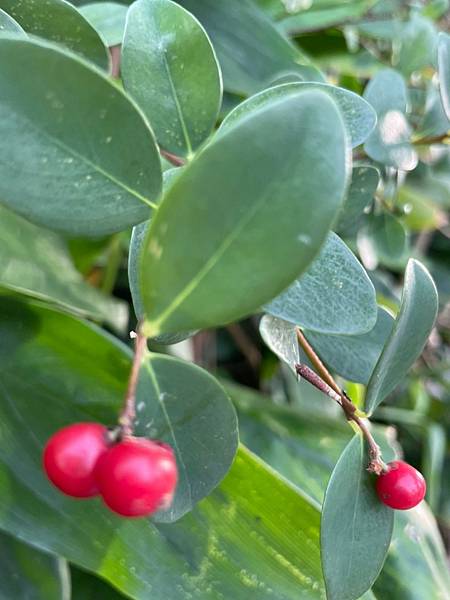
x=128, y=414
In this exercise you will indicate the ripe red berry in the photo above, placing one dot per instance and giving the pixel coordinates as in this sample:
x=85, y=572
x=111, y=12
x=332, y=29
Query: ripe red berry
x=136, y=477
x=70, y=457
x=401, y=486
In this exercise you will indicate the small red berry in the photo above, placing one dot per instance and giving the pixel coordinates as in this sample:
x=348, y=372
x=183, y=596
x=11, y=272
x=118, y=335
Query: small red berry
x=70, y=457
x=401, y=486
x=136, y=477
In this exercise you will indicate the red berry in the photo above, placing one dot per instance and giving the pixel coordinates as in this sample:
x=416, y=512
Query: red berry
x=70, y=457
x=401, y=486
x=136, y=477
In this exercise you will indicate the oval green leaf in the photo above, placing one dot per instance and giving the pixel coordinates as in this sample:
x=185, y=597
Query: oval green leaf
x=390, y=142
x=383, y=239
x=8, y=25
x=361, y=191
x=237, y=194
x=411, y=329
x=77, y=373
x=353, y=356
x=58, y=21
x=186, y=407
x=35, y=262
x=356, y=528
x=335, y=295
x=170, y=68
x=63, y=164
x=444, y=70
x=28, y=573
x=108, y=18
x=358, y=115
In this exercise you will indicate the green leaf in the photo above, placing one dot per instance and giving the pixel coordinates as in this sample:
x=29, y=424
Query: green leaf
x=384, y=238
x=233, y=544
x=361, y=191
x=356, y=528
x=251, y=51
x=358, y=115
x=411, y=329
x=8, y=25
x=335, y=295
x=353, y=356
x=186, y=407
x=417, y=565
x=61, y=23
x=28, y=573
x=63, y=164
x=444, y=70
x=108, y=18
x=390, y=142
x=85, y=586
x=170, y=68
x=35, y=262
x=417, y=45
x=231, y=213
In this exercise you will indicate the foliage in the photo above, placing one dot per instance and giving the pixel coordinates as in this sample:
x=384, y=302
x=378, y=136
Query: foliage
x=280, y=163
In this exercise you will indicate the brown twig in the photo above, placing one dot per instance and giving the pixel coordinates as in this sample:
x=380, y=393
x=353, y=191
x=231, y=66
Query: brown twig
x=245, y=345
x=172, y=158
x=315, y=361
x=128, y=414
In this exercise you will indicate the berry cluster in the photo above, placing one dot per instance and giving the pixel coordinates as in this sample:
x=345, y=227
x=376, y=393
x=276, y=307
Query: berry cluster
x=401, y=486
x=134, y=476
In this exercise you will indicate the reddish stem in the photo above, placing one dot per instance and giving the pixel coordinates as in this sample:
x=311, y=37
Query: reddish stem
x=128, y=414
x=173, y=158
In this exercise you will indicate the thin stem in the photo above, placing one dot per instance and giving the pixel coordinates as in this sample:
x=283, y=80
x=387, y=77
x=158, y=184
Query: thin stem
x=435, y=139
x=128, y=414
x=173, y=158
x=314, y=379
x=316, y=362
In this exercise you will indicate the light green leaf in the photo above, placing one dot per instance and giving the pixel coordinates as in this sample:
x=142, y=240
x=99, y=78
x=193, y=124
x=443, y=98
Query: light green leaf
x=411, y=329
x=186, y=407
x=8, y=25
x=353, y=356
x=358, y=115
x=170, y=68
x=417, y=45
x=390, y=142
x=220, y=214
x=251, y=51
x=234, y=544
x=35, y=262
x=361, y=191
x=108, y=18
x=385, y=238
x=356, y=528
x=63, y=163
x=335, y=295
x=27, y=573
x=444, y=70
x=58, y=21
x=280, y=336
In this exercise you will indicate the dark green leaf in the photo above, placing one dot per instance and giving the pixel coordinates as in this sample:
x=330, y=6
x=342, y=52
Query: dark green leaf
x=410, y=332
x=238, y=193
x=108, y=18
x=58, y=21
x=86, y=586
x=234, y=544
x=8, y=25
x=390, y=142
x=29, y=574
x=62, y=160
x=356, y=527
x=251, y=51
x=186, y=407
x=35, y=262
x=384, y=238
x=169, y=67
x=444, y=70
x=335, y=295
x=353, y=356
x=359, y=116
x=361, y=191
